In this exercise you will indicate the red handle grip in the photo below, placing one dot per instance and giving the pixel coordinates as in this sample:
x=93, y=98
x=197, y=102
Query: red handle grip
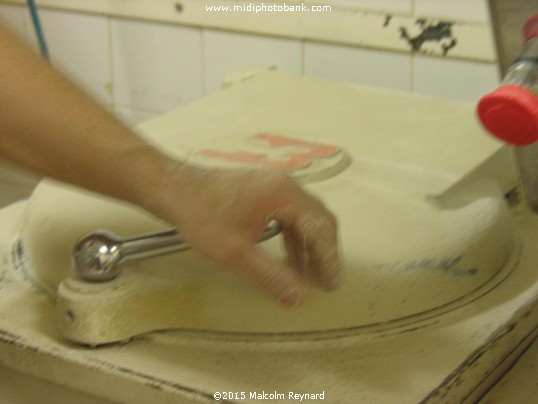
x=530, y=29
x=511, y=114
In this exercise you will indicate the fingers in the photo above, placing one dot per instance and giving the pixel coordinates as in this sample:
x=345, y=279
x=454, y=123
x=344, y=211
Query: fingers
x=224, y=223
x=310, y=233
x=310, y=238
x=260, y=269
x=311, y=242
x=273, y=277
x=317, y=237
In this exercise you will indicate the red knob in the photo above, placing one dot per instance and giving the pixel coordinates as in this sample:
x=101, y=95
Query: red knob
x=530, y=29
x=511, y=114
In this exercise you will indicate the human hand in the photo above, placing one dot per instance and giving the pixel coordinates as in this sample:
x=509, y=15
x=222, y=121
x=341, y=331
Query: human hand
x=222, y=213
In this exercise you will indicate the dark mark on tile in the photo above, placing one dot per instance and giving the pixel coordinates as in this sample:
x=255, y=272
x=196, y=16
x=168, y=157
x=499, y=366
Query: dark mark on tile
x=431, y=31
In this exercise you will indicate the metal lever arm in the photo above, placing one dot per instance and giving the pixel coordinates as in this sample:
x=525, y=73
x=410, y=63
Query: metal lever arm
x=98, y=256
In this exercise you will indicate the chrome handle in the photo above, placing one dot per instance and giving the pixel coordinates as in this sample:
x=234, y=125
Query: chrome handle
x=98, y=256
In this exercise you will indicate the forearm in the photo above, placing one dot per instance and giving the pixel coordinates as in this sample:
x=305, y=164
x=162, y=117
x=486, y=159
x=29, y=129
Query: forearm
x=51, y=127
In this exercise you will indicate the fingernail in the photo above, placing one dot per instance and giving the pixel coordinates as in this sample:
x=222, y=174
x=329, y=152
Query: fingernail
x=291, y=298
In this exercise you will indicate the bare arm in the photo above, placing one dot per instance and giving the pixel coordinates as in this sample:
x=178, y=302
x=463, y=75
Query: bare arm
x=51, y=127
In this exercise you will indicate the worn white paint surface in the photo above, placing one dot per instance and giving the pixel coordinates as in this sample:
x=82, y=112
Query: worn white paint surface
x=452, y=356
x=177, y=368
x=520, y=384
x=412, y=248
x=21, y=388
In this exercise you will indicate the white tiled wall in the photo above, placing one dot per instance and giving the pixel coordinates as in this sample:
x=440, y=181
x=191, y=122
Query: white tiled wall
x=362, y=66
x=395, y=6
x=13, y=17
x=226, y=52
x=79, y=46
x=141, y=69
x=458, y=10
x=156, y=67
x=453, y=78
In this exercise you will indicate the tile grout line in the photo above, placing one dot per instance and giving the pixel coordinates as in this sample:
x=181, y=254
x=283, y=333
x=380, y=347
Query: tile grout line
x=203, y=61
x=111, y=64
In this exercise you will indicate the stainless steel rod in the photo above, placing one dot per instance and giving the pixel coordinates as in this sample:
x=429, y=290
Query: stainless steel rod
x=98, y=256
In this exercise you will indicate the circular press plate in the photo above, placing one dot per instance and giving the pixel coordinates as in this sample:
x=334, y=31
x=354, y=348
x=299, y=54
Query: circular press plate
x=408, y=257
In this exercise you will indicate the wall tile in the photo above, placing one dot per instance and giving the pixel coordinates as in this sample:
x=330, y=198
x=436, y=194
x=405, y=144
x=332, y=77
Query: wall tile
x=457, y=79
x=458, y=10
x=225, y=53
x=13, y=17
x=132, y=117
x=157, y=67
x=15, y=183
x=362, y=66
x=79, y=46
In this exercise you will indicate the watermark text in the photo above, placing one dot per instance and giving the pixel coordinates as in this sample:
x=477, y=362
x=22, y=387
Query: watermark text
x=256, y=8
